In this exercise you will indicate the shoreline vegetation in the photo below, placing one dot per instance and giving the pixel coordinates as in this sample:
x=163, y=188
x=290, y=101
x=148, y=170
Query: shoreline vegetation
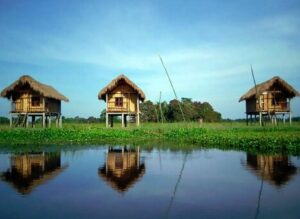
x=226, y=135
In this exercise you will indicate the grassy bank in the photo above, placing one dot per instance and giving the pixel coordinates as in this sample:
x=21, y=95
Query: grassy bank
x=219, y=135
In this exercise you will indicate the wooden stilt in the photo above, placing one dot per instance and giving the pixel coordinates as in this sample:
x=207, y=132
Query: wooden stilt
x=60, y=121
x=260, y=119
x=111, y=120
x=290, y=118
x=122, y=119
x=247, y=121
x=56, y=121
x=49, y=121
x=26, y=120
x=10, y=120
x=33, y=121
x=106, y=120
x=125, y=120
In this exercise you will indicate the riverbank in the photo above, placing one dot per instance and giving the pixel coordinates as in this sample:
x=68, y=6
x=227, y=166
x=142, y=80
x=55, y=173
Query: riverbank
x=219, y=135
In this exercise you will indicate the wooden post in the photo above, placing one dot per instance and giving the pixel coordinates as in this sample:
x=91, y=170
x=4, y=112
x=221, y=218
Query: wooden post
x=10, y=120
x=290, y=118
x=122, y=118
x=111, y=117
x=43, y=120
x=26, y=120
x=33, y=121
x=60, y=121
x=125, y=120
x=138, y=110
x=49, y=121
x=106, y=119
x=56, y=121
x=283, y=118
x=247, y=121
x=260, y=119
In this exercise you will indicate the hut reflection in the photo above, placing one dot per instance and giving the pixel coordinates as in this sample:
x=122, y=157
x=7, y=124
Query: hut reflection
x=123, y=168
x=27, y=171
x=277, y=170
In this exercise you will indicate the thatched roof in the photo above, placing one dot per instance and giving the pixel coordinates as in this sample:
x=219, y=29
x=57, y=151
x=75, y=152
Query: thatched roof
x=43, y=89
x=114, y=83
x=26, y=185
x=277, y=170
x=265, y=86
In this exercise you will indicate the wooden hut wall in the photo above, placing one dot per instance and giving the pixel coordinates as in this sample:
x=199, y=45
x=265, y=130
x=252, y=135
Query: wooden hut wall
x=129, y=99
x=52, y=105
x=269, y=101
x=28, y=102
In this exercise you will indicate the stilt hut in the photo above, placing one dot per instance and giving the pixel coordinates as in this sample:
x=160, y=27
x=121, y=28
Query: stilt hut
x=277, y=170
x=30, y=98
x=123, y=168
x=122, y=98
x=270, y=99
x=28, y=171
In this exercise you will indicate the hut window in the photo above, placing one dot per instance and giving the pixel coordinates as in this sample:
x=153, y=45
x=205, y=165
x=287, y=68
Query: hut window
x=35, y=101
x=119, y=101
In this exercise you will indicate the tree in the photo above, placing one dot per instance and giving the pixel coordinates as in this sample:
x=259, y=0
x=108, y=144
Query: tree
x=148, y=112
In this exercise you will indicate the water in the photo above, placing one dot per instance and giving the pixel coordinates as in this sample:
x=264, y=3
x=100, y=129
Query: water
x=120, y=182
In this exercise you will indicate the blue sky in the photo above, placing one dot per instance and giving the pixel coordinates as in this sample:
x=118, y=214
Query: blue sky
x=80, y=46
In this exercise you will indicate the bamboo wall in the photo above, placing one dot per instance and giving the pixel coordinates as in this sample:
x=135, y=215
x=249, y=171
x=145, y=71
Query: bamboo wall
x=23, y=103
x=269, y=102
x=129, y=99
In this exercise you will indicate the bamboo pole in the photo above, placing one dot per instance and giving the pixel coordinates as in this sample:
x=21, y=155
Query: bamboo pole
x=162, y=62
x=257, y=97
x=160, y=109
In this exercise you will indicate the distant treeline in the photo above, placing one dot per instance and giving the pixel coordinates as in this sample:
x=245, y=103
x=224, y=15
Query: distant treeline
x=4, y=120
x=170, y=112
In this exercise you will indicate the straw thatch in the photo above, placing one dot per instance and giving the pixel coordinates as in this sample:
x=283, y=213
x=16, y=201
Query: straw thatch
x=43, y=89
x=114, y=83
x=265, y=86
x=26, y=185
x=277, y=170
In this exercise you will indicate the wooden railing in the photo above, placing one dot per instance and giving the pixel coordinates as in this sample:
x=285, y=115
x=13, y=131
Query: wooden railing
x=111, y=107
x=279, y=107
x=25, y=105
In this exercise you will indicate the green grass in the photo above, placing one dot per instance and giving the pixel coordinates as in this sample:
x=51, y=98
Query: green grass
x=235, y=135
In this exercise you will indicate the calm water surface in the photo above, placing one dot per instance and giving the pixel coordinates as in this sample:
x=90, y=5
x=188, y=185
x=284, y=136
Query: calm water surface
x=127, y=182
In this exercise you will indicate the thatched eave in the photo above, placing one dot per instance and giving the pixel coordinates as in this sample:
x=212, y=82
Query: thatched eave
x=43, y=89
x=114, y=83
x=265, y=86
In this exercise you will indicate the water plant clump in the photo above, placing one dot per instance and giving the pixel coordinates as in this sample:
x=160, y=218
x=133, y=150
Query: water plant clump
x=222, y=136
